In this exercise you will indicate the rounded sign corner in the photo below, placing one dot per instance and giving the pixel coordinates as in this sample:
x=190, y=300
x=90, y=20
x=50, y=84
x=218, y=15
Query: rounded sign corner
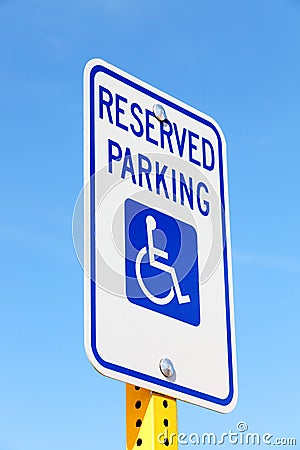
x=96, y=361
x=231, y=402
x=92, y=63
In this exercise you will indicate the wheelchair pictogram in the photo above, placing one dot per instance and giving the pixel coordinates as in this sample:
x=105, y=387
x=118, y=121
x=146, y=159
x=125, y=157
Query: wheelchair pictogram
x=161, y=263
x=153, y=254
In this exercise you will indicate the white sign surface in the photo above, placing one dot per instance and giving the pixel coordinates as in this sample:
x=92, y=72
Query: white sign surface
x=158, y=280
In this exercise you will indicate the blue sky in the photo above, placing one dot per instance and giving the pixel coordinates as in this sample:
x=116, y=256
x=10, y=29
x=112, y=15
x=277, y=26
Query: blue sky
x=236, y=61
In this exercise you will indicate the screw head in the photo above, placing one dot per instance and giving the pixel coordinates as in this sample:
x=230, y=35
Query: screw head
x=166, y=367
x=159, y=112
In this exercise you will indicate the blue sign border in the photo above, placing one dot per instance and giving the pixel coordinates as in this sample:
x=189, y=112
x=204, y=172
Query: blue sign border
x=102, y=362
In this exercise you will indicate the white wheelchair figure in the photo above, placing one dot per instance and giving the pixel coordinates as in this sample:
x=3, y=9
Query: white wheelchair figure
x=153, y=253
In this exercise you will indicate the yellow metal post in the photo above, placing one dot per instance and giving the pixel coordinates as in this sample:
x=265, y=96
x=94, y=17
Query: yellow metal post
x=151, y=420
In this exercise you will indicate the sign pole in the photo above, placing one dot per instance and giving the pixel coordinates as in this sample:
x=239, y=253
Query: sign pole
x=151, y=420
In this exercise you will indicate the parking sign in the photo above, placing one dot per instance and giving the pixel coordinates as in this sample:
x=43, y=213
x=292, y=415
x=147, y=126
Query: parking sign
x=158, y=284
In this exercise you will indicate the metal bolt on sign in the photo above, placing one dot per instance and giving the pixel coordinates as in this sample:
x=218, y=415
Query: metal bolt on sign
x=166, y=367
x=159, y=112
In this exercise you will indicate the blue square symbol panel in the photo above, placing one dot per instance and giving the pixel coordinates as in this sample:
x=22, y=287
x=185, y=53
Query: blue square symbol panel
x=161, y=266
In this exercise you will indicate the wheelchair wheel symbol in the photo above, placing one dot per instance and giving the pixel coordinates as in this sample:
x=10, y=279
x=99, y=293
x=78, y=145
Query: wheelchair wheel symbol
x=153, y=254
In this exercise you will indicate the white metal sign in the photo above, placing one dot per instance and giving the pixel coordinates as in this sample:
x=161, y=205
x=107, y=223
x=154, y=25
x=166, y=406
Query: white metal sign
x=158, y=284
